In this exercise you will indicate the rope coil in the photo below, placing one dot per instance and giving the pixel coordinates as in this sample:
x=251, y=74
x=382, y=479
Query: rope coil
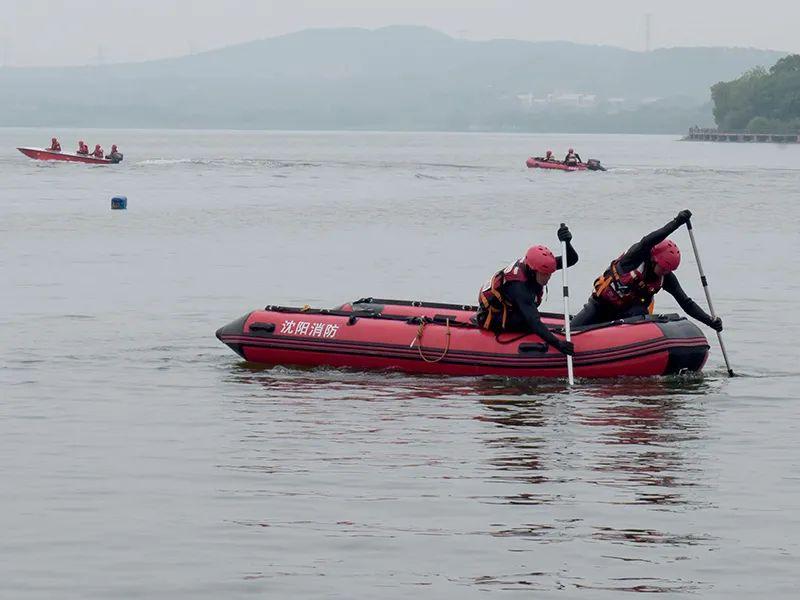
x=418, y=341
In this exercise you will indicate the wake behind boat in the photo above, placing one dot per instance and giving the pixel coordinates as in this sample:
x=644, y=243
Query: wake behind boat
x=45, y=154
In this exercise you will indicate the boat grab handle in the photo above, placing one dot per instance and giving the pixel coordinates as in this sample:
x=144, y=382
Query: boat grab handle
x=527, y=348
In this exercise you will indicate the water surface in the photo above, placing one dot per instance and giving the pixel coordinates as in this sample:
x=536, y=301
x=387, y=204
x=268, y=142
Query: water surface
x=143, y=459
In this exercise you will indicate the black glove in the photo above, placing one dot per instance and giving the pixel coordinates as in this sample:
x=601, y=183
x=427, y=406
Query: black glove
x=564, y=234
x=565, y=347
x=715, y=324
x=684, y=216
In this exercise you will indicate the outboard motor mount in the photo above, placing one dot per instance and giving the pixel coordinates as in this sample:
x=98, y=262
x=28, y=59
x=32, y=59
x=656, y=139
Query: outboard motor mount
x=594, y=165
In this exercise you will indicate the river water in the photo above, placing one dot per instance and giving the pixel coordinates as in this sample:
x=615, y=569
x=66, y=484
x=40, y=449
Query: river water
x=142, y=459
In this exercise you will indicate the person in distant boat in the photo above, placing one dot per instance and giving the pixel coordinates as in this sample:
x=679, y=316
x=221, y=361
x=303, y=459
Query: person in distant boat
x=510, y=299
x=628, y=286
x=549, y=157
x=55, y=146
x=115, y=156
x=82, y=148
x=98, y=151
x=572, y=158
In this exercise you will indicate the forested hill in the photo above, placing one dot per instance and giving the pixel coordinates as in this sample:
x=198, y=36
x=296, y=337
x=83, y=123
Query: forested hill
x=761, y=101
x=391, y=78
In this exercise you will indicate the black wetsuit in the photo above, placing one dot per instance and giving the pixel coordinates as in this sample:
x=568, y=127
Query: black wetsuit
x=523, y=315
x=597, y=311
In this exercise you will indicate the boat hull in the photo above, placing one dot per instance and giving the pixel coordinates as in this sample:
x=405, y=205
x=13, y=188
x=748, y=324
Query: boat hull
x=539, y=163
x=536, y=163
x=433, y=338
x=43, y=154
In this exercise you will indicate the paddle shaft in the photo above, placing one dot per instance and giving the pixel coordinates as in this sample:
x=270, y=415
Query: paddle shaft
x=568, y=336
x=704, y=281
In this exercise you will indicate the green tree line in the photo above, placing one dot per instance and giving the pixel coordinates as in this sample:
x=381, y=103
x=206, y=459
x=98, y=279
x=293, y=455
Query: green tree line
x=761, y=100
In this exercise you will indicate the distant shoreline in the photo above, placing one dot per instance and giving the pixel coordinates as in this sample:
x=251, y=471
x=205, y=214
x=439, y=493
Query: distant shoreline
x=714, y=135
x=56, y=129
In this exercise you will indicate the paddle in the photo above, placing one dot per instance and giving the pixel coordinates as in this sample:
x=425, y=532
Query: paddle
x=704, y=281
x=570, y=375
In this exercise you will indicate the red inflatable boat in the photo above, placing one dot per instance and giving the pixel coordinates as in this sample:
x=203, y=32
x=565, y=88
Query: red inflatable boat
x=42, y=154
x=425, y=337
x=540, y=163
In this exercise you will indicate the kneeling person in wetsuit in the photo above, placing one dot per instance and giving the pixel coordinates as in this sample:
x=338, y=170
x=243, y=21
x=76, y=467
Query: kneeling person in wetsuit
x=509, y=301
x=572, y=158
x=629, y=284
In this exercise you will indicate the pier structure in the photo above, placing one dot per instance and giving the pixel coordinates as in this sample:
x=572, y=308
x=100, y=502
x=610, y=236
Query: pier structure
x=700, y=134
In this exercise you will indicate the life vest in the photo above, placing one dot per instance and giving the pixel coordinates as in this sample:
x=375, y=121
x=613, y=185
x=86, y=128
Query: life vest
x=624, y=290
x=98, y=153
x=55, y=147
x=491, y=301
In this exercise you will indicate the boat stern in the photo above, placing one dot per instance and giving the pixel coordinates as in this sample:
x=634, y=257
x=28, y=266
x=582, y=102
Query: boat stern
x=688, y=349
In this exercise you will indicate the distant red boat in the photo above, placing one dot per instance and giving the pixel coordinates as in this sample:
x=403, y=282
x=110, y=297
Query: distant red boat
x=540, y=163
x=42, y=154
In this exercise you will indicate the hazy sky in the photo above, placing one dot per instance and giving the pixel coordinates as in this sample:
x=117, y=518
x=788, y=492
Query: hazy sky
x=56, y=32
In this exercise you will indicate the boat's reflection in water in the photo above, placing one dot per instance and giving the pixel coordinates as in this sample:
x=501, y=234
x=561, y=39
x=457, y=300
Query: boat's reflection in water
x=620, y=463
x=624, y=431
x=612, y=465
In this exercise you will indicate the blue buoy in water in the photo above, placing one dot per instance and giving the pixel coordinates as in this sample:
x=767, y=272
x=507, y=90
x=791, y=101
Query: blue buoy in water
x=119, y=203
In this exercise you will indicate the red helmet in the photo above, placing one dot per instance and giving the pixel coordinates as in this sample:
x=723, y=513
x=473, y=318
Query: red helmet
x=540, y=259
x=666, y=255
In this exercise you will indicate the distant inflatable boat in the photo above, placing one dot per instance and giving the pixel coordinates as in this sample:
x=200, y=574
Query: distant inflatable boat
x=43, y=154
x=435, y=338
x=540, y=163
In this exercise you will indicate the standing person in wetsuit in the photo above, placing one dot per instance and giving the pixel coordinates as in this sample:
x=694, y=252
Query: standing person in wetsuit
x=509, y=301
x=572, y=158
x=629, y=284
